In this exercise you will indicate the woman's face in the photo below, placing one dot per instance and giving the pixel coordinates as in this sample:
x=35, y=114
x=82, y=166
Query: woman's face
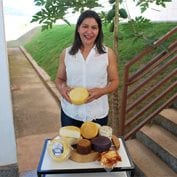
x=88, y=31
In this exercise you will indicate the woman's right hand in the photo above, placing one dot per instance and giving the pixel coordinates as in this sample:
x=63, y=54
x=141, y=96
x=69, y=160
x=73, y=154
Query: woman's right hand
x=64, y=91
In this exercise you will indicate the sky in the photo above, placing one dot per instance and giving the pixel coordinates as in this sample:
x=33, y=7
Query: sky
x=18, y=14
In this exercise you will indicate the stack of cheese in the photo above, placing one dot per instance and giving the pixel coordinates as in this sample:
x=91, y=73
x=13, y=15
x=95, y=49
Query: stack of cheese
x=83, y=151
x=91, y=142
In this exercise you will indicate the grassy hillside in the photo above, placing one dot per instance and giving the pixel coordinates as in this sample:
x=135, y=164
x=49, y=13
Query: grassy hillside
x=45, y=47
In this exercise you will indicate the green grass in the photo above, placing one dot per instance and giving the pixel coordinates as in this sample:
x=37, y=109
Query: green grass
x=45, y=47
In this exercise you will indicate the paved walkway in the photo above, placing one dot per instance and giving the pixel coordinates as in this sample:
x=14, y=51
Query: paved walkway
x=36, y=111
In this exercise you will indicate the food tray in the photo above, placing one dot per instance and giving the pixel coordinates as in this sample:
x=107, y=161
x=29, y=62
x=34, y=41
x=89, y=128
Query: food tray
x=48, y=166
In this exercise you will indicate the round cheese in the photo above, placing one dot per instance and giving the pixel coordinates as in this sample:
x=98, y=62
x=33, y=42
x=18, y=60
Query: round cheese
x=79, y=95
x=70, y=131
x=106, y=131
x=59, y=150
x=89, y=129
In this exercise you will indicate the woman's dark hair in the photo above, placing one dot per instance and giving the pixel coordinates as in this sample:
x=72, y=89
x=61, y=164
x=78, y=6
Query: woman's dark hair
x=99, y=40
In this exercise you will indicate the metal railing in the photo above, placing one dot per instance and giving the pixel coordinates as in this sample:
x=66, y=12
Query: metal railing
x=152, y=87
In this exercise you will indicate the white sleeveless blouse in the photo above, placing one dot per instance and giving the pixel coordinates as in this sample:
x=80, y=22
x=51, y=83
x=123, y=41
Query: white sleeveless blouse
x=89, y=73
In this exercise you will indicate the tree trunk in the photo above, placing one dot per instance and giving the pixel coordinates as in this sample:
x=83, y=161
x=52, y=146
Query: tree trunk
x=114, y=97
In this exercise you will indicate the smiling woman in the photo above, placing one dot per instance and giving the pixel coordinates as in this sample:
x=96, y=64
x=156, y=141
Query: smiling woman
x=89, y=64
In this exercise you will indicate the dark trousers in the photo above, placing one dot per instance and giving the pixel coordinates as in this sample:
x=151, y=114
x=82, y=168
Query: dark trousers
x=66, y=120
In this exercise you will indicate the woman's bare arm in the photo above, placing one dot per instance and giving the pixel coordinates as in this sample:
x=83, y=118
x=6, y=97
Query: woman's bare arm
x=60, y=80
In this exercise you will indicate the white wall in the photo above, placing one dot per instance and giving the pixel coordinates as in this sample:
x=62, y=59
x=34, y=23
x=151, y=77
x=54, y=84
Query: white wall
x=7, y=136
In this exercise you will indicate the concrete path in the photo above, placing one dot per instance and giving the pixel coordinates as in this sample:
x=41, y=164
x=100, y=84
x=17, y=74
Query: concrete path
x=36, y=111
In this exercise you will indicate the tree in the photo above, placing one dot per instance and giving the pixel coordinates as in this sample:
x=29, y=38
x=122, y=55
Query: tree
x=52, y=10
x=114, y=104
x=144, y=4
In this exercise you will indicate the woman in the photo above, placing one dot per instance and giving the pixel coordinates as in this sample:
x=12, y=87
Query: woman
x=90, y=64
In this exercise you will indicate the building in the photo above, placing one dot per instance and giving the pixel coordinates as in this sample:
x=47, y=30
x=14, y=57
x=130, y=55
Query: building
x=8, y=156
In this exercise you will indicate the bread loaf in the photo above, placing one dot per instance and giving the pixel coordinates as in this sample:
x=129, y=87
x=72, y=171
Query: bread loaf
x=70, y=131
x=78, y=95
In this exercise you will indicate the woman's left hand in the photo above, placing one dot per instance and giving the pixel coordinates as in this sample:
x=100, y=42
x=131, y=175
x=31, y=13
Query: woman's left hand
x=94, y=94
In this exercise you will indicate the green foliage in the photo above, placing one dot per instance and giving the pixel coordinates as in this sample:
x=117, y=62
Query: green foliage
x=138, y=33
x=111, y=27
x=141, y=20
x=144, y=5
x=111, y=14
x=39, y=2
x=52, y=10
x=103, y=17
x=123, y=13
x=111, y=1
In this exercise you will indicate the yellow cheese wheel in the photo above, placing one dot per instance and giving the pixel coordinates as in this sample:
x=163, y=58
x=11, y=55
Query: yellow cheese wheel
x=89, y=129
x=59, y=150
x=79, y=95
